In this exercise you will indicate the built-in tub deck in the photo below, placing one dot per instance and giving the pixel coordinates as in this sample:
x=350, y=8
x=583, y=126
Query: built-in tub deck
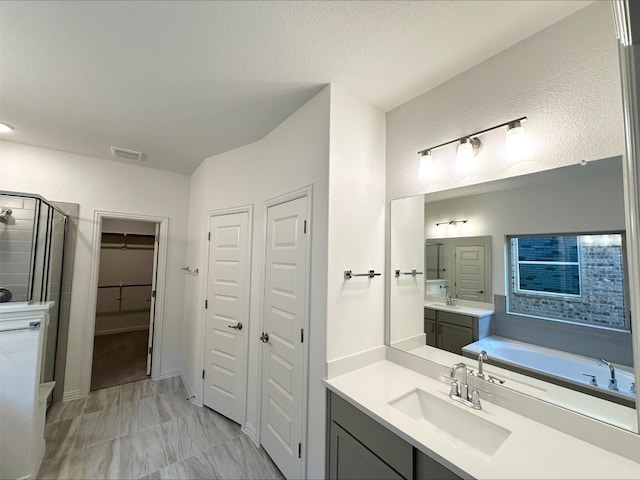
x=555, y=366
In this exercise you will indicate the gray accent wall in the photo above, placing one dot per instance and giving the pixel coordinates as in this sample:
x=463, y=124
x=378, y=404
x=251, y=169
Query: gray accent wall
x=594, y=342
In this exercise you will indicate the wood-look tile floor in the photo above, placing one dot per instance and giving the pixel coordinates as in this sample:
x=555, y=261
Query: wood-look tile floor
x=147, y=430
x=119, y=358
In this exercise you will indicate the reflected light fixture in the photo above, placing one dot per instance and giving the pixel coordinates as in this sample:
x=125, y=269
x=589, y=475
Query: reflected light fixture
x=6, y=128
x=426, y=164
x=451, y=222
x=517, y=147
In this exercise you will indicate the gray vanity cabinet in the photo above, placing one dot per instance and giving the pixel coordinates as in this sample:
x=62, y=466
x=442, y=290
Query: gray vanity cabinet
x=452, y=331
x=359, y=448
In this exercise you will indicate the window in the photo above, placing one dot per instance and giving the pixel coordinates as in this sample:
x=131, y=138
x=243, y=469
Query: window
x=547, y=265
x=577, y=278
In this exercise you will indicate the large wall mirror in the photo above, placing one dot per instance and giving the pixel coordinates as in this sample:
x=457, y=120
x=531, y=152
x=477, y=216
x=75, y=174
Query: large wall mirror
x=530, y=269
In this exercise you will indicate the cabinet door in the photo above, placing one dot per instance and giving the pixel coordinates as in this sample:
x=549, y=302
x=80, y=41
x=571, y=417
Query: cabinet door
x=429, y=469
x=453, y=337
x=430, y=331
x=349, y=459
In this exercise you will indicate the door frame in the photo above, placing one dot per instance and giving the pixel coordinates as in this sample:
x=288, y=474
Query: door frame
x=89, y=331
x=307, y=192
x=216, y=213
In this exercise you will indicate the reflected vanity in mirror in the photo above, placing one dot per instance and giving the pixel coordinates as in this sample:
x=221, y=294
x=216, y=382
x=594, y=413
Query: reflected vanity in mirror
x=534, y=276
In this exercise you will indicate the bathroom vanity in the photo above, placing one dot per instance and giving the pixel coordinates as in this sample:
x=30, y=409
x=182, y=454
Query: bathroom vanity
x=22, y=396
x=385, y=420
x=453, y=327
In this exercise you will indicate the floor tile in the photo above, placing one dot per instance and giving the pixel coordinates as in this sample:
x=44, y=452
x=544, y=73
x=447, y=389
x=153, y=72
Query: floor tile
x=183, y=437
x=64, y=410
x=136, y=416
x=100, y=461
x=132, y=392
x=239, y=458
x=98, y=427
x=50, y=469
x=167, y=385
x=60, y=437
x=201, y=466
x=173, y=405
x=218, y=428
x=142, y=453
x=100, y=399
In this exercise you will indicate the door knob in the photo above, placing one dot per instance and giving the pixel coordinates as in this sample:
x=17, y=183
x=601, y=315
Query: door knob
x=236, y=327
x=480, y=291
x=264, y=337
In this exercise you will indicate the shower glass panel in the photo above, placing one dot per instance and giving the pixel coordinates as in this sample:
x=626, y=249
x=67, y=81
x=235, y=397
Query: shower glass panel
x=32, y=238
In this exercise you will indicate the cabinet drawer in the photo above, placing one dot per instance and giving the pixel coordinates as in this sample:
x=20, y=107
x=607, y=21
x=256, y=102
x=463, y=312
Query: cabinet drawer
x=455, y=318
x=394, y=451
x=430, y=313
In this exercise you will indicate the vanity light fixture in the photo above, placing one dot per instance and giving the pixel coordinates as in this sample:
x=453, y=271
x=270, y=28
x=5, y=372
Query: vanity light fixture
x=6, y=128
x=470, y=145
x=451, y=222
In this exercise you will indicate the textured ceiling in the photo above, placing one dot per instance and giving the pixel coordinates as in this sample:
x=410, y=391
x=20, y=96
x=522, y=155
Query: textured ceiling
x=184, y=80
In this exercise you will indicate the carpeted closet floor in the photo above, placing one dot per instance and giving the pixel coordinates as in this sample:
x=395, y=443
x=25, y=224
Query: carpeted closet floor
x=119, y=358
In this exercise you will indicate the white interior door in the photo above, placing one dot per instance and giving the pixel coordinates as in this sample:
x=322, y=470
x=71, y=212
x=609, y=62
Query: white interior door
x=152, y=313
x=470, y=273
x=227, y=315
x=283, y=376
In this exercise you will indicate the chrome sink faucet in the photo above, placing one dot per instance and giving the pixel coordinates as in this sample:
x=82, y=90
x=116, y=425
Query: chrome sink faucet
x=482, y=357
x=450, y=300
x=613, y=383
x=460, y=392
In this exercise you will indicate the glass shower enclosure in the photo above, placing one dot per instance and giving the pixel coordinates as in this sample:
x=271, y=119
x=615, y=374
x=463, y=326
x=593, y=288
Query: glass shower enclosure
x=32, y=248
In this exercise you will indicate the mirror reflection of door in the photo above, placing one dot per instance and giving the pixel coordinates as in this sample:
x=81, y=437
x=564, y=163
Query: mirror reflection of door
x=469, y=280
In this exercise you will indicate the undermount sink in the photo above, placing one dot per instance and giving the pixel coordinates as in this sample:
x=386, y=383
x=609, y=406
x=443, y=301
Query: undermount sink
x=463, y=428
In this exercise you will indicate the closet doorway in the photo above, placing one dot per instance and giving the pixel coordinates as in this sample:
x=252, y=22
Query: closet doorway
x=125, y=302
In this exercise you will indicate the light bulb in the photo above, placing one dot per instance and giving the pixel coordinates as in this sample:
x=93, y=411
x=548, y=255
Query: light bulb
x=6, y=128
x=426, y=165
x=468, y=148
x=517, y=144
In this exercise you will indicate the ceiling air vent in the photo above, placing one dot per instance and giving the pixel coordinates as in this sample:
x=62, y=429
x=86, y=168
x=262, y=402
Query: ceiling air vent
x=126, y=153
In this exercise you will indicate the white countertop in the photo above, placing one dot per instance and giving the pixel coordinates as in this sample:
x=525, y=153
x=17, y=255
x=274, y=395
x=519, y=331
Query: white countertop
x=461, y=309
x=18, y=307
x=532, y=450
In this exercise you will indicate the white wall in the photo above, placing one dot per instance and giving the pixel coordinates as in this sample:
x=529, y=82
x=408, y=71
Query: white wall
x=565, y=79
x=111, y=186
x=355, y=308
x=293, y=155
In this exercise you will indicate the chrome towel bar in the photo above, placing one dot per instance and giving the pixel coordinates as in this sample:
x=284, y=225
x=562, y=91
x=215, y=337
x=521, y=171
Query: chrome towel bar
x=348, y=274
x=413, y=273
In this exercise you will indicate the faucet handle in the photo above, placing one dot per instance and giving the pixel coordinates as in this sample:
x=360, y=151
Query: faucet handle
x=593, y=382
x=475, y=397
x=493, y=379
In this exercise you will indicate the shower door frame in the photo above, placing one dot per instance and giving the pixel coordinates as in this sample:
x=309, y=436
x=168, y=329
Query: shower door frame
x=87, y=349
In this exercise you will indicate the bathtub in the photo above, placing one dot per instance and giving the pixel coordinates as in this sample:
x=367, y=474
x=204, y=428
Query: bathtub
x=555, y=366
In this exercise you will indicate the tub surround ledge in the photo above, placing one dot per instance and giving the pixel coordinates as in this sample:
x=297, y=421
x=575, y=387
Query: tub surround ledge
x=530, y=451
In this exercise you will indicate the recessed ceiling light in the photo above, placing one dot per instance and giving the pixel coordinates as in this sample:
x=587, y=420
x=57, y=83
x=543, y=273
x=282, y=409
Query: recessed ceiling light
x=6, y=128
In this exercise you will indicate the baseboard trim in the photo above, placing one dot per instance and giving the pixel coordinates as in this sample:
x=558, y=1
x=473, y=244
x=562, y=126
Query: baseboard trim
x=71, y=395
x=120, y=330
x=250, y=431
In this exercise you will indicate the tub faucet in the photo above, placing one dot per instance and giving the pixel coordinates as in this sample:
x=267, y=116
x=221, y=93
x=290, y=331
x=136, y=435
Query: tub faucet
x=613, y=383
x=450, y=301
x=482, y=357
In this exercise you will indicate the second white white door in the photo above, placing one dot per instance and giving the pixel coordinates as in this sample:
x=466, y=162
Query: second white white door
x=285, y=307
x=227, y=315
